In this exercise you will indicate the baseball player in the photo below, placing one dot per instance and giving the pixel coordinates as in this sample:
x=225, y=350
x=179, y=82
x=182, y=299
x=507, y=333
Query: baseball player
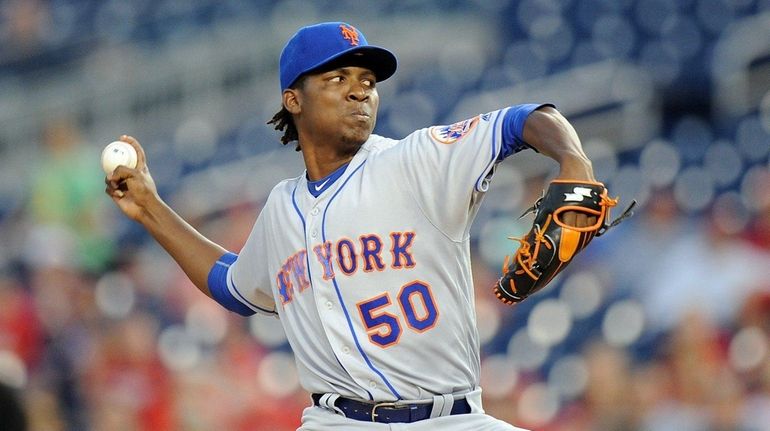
x=365, y=256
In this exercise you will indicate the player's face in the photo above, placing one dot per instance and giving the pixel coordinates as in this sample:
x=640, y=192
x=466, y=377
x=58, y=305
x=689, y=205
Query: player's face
x=340, y=106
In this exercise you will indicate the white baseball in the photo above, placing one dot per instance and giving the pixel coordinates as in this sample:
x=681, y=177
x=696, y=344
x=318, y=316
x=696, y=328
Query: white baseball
x=116, y=154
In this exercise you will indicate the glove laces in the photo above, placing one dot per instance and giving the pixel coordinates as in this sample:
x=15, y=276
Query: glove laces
x=528, y=258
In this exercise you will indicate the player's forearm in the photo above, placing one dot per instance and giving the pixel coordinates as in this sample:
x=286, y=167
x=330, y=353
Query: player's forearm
x=552, y=135
x=194, y=253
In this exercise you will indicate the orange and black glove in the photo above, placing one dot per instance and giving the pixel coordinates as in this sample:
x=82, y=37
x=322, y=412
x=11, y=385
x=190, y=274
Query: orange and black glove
x=551, y=244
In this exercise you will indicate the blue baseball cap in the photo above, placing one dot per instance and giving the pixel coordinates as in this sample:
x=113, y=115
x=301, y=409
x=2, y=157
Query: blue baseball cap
x=319, y=45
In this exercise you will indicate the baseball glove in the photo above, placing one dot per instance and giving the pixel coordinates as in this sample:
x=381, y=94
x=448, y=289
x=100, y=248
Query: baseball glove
x=551, y=244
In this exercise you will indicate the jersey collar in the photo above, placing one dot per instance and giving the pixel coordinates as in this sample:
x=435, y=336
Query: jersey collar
x=317, y=187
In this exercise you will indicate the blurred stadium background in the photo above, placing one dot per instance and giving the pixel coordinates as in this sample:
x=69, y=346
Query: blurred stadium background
x=664, y=324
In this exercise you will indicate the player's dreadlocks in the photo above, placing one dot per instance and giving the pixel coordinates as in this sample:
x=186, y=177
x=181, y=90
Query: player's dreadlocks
x=283, y=120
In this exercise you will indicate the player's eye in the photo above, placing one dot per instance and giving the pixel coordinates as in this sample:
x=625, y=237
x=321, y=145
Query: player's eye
x=338, y=78
x=368, y=82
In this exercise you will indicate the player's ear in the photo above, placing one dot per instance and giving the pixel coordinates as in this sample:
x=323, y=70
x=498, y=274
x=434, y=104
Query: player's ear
x=291, y=101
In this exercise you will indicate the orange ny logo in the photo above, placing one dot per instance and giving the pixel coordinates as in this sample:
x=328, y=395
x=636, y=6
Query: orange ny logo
x=350, y=34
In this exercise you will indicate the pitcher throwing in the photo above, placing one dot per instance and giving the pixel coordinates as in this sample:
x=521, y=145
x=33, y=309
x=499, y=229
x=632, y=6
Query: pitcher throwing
x=365, y=256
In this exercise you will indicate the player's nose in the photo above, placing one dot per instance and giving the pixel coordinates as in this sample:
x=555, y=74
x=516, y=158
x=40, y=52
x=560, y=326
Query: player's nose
x=358, y=92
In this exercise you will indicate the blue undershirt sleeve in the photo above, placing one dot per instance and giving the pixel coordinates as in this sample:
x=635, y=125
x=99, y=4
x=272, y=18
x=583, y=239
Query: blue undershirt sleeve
x=217, y=281
x=513, y=128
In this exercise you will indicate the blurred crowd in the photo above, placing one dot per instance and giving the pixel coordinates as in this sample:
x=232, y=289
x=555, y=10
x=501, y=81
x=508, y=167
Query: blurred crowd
x=663, y=324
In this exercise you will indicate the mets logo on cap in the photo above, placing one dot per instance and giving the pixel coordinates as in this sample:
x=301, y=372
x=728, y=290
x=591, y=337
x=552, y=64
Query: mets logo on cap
x=349, y=33
x=453, y=132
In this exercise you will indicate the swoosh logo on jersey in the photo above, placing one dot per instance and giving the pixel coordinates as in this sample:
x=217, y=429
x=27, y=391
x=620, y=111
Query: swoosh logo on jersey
x=577, y=194
x=318, y=187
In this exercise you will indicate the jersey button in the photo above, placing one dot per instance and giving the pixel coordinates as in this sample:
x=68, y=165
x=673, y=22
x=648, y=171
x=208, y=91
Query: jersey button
x=314, y=233
x=346, y=350
x=372, y=384
x=329, y=305
x=315, y=211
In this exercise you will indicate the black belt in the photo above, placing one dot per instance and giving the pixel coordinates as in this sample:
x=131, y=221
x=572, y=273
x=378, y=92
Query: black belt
x=389, y=412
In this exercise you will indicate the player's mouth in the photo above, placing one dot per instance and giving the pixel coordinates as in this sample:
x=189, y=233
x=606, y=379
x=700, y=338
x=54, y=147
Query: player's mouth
x=361, y=115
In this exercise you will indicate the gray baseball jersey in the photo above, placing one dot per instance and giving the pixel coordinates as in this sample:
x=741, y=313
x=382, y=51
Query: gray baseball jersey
x=370, y=268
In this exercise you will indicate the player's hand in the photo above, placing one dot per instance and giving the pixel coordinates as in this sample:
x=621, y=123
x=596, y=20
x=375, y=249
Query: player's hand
x=581, y=169
x=578, y=219
x=132, y=189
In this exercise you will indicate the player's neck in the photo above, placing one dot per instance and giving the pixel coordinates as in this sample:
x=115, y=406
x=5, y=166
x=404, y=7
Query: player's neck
x=324, y=154
x=319, y=164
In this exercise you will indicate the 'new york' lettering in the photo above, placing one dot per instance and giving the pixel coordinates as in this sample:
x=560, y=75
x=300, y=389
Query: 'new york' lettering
x=345, y=256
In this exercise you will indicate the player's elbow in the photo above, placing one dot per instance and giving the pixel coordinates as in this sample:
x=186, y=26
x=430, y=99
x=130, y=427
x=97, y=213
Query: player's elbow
x=549, y=132
x=548, y=122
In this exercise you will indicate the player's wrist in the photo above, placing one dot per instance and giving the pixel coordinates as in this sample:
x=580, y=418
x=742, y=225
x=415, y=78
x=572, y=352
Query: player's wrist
x=153, y=211
x=576, y=168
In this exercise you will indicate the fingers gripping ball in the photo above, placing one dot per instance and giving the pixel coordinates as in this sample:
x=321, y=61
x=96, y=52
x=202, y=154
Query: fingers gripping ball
x=116, y=154
x=551, y=244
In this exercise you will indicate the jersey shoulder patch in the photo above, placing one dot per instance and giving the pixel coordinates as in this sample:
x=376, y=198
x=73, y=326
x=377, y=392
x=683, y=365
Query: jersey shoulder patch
x=453, y=132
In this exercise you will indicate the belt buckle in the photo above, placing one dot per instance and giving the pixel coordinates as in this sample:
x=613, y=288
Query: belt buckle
x=381, y=405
